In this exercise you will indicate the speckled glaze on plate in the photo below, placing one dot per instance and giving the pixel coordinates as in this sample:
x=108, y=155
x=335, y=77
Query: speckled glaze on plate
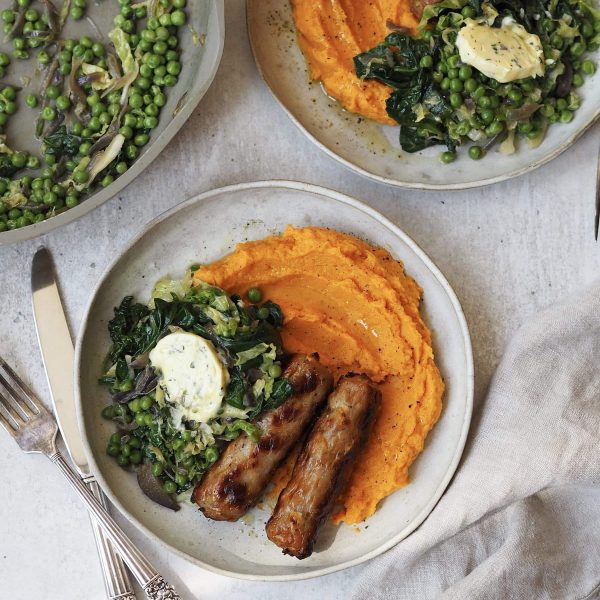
x=372, y=149
x=201, y=61
x=202, y=230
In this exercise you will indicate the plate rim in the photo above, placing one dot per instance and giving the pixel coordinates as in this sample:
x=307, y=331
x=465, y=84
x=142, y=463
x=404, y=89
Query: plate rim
x=354, y=203
x=397, y=183
x=102, y=196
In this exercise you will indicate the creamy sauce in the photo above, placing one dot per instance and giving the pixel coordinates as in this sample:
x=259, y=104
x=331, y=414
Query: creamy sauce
x=502, y=53
x=192, y=376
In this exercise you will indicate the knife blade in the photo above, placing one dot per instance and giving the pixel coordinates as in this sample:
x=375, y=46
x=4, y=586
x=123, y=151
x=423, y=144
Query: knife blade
x=58, y=357
x=58, y=354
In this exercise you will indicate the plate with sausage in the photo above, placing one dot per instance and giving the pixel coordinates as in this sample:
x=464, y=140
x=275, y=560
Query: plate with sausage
x=274, y=381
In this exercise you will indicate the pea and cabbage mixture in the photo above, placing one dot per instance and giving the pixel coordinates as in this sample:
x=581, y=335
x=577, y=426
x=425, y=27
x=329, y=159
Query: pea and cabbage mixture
x=485, y=74
x=187, y=373
x=96, y=106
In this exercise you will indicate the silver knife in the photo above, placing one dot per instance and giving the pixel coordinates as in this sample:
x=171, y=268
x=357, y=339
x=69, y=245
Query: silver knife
x=58, y=356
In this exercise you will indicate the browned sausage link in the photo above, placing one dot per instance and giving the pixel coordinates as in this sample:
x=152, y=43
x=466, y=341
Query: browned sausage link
x=237, y=480
x=323, y=466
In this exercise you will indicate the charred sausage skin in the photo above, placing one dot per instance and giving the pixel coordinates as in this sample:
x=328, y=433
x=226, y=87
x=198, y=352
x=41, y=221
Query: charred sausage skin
x=323, y=465
x=237, y=480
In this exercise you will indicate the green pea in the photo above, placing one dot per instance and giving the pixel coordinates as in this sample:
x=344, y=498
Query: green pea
x=160, y=47
x=140, y=419
x=484, y=102
x=131, y=151
x=122, y=460
x=136, y=101
x=465, y=72
x=494, y=128
x=18, y=43
x=515, y=95
x=577, y=80
x=456, y=99
x=475, y=152
x=557, y=41
x=187, y=436
x=561, y=104
x=106, y=180
x=50, y=198
x=566, y=116
x=146, y=402
x=94, y=124
x=148, y=420
x=76, y=13
x=113, y=450
x=262, y=313
x=170, y=487
x=8, y=16
x=157, y=469
x=135, y=457
x=126, y=132
x=10, y=107
x=180, y=479
x=445, y=84
x=14, y=213
x=170, y=80
x=177, y=444
x=84, y=148
x=479, y=92
x=577, y=49
x=487, y=116
x=174, y=68
x=179, y=3
x=162, y=33
x=588, y=67
x=80, y=177
x=134, y=405
x=525, y=127
x=254, y=295
x=71, y=201
x=275, y=370
x=62, y=103
x=468, y=12
x=4, y=59
x=211, y=454
x=19, y=159
x=452, y=72
x=48, y=113
x=456, y=85
x=141, y=139
x=426, y=61
x=121, y=167
x=150, y=122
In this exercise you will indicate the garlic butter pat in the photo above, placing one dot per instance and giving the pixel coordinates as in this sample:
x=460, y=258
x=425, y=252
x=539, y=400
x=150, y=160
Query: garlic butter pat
x=502, y=53
x=192, y=376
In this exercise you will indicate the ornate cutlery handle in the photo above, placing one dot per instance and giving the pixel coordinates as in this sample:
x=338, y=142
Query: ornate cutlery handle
x=116, y=580
x=148, y=577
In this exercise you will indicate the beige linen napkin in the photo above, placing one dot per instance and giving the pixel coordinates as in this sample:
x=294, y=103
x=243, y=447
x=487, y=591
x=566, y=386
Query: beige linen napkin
x=521, y=519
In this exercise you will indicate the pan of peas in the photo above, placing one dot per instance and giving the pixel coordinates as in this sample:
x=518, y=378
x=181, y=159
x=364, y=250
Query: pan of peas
x=90, y=94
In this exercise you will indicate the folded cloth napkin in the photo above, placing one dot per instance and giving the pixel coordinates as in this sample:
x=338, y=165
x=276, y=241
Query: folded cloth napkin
x=521, y=519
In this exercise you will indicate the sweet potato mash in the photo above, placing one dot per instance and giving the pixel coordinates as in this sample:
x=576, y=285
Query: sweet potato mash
x=354, y=305
x=332, y=32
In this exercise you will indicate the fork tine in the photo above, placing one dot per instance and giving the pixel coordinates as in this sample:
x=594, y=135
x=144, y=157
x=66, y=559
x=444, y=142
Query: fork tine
x=10, y=403
x=20, y=391
x=7, y=421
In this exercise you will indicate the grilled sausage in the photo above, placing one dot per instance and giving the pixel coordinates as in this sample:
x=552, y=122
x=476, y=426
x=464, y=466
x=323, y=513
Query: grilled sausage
x=237, y=480
x=323, y=466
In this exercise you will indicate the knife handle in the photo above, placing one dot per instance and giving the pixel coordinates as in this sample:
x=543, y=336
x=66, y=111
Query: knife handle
x=116, y=580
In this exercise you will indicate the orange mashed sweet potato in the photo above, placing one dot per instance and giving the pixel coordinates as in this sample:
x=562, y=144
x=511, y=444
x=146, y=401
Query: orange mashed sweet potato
x=354, y=305
x=332, y=32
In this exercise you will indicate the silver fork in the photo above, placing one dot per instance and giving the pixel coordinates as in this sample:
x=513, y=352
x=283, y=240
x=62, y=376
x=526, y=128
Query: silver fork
x=34, y=429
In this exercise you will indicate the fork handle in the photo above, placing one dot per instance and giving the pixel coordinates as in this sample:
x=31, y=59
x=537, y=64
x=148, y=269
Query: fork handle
x=116, y=580
x=154, y=585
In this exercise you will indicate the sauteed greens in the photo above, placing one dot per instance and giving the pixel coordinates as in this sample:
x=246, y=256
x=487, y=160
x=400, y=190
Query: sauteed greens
x=97, y=104
x=439, y=99
x=175, y=452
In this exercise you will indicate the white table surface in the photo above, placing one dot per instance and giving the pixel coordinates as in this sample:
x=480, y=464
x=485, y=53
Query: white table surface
x=508, y=251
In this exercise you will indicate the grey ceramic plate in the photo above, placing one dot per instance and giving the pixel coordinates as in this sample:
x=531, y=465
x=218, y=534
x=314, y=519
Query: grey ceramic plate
x=200, y=62
x=202, y=230
x=372, y=149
